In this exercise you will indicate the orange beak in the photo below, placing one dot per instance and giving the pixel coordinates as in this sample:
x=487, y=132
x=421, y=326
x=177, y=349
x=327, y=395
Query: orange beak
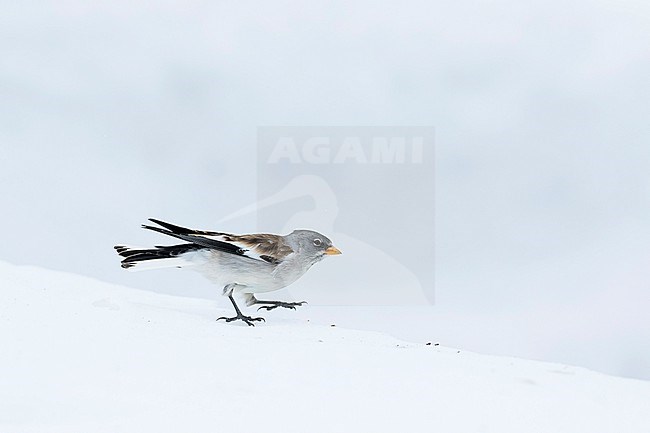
x=332, y=251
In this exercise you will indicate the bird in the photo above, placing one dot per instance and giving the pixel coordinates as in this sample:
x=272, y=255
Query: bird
x=242, y=264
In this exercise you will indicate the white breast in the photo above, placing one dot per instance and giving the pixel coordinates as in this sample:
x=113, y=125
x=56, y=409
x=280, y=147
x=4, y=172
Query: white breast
x=253, y=276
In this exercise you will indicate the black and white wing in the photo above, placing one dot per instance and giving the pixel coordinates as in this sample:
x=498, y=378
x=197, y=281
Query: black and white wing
x=266, y=247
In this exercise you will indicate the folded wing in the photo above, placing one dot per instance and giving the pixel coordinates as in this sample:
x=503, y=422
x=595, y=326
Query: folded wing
x=266, y=247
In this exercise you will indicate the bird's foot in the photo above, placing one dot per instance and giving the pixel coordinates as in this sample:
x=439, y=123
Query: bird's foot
x=246, y=319
x=273, y=305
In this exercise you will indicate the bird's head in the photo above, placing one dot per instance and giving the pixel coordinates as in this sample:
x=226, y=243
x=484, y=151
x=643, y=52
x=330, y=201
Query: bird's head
x=312, y=244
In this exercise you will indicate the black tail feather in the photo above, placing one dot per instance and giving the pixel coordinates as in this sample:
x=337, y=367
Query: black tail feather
x=132, y=257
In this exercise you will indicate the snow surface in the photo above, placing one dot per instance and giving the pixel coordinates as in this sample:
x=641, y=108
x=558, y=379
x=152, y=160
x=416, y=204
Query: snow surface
x=79, y=355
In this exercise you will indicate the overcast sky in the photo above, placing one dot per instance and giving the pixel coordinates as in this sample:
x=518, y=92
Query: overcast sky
x=112, y=114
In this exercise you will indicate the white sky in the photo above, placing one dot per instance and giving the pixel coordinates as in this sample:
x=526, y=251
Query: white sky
x=112, y=114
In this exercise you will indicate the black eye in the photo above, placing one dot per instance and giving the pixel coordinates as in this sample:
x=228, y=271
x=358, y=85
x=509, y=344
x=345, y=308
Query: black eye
x=318, y=242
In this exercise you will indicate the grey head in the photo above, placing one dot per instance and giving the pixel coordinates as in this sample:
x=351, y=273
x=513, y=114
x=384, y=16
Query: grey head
x=311, y=245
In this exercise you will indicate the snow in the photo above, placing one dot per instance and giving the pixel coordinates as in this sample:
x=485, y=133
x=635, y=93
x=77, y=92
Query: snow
x=80, y=355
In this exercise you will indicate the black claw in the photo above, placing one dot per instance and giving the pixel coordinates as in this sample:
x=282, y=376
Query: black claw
x=291, y=305
x=246, y=319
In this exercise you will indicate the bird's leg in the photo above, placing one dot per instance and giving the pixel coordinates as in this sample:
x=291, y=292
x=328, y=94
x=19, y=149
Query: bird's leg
x=271, y=305
x=246, y=319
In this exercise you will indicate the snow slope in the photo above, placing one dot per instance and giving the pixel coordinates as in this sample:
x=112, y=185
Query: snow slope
x=79, y=355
